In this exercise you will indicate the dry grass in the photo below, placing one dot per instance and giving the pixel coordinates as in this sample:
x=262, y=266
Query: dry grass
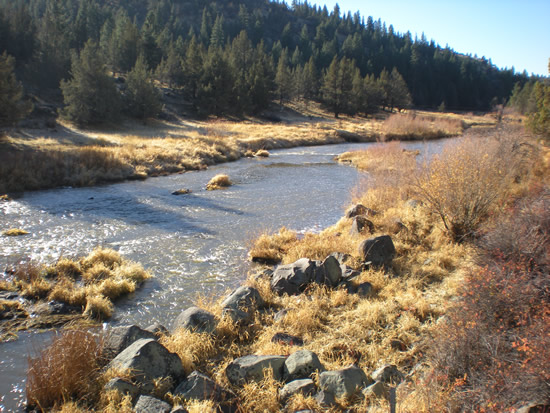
x=411, y=126
x=262, y=153
x=219, y=181
x=14, y=232
x=93, y=283
x=271, y=248
x=65, y=370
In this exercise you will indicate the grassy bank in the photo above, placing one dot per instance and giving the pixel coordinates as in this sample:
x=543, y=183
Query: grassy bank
x=462, y=311
x=65, y=156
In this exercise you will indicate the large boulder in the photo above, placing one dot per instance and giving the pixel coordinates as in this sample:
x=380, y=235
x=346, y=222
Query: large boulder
x=329, y=272
x=303, y=386
x=345, y=382
x=147, y=360
x=241, y=304
x=377, y=251
x=376, y=390
x=118, y=338
x=148, y=404
x=301, y=365
x=198, y=386
x=196, y=319
x=293, y=278
x=251, y=368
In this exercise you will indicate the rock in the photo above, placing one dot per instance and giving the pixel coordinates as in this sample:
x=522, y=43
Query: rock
x=148, y=404
x=349, y=286
x=325, y=398
x=198, y=386
x=118, y=338
x=364, y=289
x=301, y=365
x=251, y=368
x=388, y=374
x=378, y=251
x=540, y=407
x=196, y=319
x=343, y=383
x=183, y=191
x=376, y=390
x=241, y=304
x=303, y=386
x=328, y=272
x=266, y=273
x=397, y=226
x=356, y=210
x=360, y=210
x=398, y=345
x=293, y=278
x=147, y=360
x=285, y=338
x=158, y=330
x=361, y=225
x=179, y=409
x=122, y=386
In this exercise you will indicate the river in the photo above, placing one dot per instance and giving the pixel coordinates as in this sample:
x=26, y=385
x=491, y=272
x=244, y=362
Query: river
x=192, y=244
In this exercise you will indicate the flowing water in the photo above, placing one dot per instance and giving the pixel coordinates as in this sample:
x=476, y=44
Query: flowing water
x=192, y=244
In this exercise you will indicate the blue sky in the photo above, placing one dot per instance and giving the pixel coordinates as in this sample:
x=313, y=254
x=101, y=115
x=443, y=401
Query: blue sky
x=509, y=32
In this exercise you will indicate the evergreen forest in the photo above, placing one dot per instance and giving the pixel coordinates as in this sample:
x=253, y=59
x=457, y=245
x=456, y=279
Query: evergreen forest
x=101, y=59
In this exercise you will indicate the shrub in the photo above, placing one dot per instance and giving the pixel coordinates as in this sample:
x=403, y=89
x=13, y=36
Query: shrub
x=218, y=182
x=410, y=126
x=66, y=369
x=463, y=184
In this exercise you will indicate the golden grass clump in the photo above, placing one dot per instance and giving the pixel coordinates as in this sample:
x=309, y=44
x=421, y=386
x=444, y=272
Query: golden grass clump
x=260, y=396
x=271, y=248
x=66, y=369
x=132, y=271
x=106, y=256
x=219, y=181
x=262, y=153
x=193, y=348
x=14, y=232
x=98, y=307
x=67, y=268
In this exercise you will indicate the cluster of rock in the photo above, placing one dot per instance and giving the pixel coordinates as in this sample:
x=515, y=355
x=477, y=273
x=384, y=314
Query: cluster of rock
x=136, y=350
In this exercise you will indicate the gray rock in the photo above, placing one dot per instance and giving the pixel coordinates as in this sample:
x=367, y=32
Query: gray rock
x=293, y=278
x=349, y=273
x=397, y=226
x=356, y=210
x=365, y=289
x=196, y=319
x=361, y=225
x=349, y=286
x=198, y=386
x=378, y=251
x=148, y=404
x=179, y=409
x=301, y=365
x=376, y=390
x=123, y=387
x=325, y=398
x=388, y=374
x=340, y=256
x=329, y=272
x=118, y=338
x=303, y=386
x=241, y=304
x=251, y=368
x=285, y=338
x=343, y=383
x=148, y=360
x=540, y=407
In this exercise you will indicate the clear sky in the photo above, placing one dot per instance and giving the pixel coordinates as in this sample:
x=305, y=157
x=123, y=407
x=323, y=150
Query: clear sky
x=509, y=32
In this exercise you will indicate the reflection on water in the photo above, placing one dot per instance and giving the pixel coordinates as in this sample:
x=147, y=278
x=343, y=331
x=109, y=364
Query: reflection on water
x=192, y=244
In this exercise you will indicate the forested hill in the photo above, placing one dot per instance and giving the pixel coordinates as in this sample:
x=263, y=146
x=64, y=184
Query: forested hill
x=237, y=56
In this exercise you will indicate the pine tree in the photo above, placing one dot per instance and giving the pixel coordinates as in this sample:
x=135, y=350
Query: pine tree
x=214, y=93
x=142, y=98
x=398, y=92
x=283, y=79
x=217, y=38
x=241, y=59
x=12, y=106
x=192, y=69
x=309, y=82
x=170, y=69
x=91, y=96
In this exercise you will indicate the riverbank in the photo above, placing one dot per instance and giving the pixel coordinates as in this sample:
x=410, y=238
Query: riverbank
x=65, y=156
x=385, y=315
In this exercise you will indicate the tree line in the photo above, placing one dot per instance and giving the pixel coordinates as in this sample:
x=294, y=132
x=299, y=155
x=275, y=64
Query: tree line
x=234, y=58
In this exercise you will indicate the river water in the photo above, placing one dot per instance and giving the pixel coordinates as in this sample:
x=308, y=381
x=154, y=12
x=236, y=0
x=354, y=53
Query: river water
x=192, y=244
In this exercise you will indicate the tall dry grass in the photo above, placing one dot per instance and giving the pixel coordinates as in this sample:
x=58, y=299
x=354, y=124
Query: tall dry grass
x=411, y=126
x=65, y=370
